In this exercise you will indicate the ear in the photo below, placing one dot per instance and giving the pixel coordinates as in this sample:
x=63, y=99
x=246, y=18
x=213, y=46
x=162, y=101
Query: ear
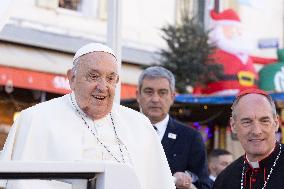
x=277, y=123
x=233, y=125
x=138, y=96
x=71, y=78
x=117, y=79
x=210, y=167
x=173, y=95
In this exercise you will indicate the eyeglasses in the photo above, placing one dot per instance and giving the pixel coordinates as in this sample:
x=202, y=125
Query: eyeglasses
x=109, y=79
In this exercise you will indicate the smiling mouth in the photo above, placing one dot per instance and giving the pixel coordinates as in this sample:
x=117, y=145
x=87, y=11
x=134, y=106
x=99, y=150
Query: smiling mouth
x=155, y=107
x=256, y=140
x=99, y=97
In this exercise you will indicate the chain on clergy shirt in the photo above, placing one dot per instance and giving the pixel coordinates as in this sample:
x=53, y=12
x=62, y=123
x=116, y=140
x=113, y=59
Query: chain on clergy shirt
x=120, y=145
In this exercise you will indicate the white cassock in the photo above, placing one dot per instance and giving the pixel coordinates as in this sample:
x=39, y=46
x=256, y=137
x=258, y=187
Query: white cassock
x=54, y=131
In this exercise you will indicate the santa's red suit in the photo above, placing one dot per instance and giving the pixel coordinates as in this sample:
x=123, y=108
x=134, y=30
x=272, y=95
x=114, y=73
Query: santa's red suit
x=232, y=53
x=237, y=74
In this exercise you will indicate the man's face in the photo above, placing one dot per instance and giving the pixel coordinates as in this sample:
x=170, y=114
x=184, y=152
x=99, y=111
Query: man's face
x=94, y=83
x=155, y=98
x=255, y=126
x=220, y=163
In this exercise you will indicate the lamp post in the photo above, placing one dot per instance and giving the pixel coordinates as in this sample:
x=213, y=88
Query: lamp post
x=114, y=36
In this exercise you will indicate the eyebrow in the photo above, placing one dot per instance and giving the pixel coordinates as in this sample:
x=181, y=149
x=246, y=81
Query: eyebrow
x=97, y=71
x=249, y=119
x=265, y=117
x=148, y=88
x=246, y=119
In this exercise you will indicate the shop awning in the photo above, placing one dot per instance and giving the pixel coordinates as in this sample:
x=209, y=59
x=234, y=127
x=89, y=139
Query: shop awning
x=54, y=83
x=36, y=59
x=34, y=80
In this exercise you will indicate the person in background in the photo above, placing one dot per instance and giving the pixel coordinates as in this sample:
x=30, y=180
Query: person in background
x=86, y=125
x=218, y=160
x=255, y=121
x=184, y=147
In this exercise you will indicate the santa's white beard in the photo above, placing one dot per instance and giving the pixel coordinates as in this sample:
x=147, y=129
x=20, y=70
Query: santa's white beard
x=240, y=45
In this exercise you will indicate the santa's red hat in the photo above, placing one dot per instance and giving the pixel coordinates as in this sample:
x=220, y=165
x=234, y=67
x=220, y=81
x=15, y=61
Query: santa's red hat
x=228, y=16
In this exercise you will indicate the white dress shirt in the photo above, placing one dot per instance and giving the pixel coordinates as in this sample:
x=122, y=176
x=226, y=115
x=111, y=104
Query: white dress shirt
x=212, y=177
x=162, y=126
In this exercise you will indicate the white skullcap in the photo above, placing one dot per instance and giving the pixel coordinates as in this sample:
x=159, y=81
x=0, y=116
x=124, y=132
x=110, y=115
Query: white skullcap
x=92, y=47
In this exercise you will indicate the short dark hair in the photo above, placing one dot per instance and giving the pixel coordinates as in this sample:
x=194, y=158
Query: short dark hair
x=215, y=153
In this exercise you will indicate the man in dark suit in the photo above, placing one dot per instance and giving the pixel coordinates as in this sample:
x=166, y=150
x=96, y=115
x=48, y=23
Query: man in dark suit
x=183, y=145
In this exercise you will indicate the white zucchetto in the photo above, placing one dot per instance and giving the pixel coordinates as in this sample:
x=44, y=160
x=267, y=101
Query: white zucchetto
x=92, y=47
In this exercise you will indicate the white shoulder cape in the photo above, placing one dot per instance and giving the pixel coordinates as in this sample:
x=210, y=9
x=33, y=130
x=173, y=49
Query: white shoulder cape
x=52, y=131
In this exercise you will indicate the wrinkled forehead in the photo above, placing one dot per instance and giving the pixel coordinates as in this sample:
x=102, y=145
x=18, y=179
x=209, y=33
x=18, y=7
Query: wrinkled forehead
x=156, y=82
x=95, y=56
x=98, y=61
x=226, y=157
x=253, y=104
x=252, y=98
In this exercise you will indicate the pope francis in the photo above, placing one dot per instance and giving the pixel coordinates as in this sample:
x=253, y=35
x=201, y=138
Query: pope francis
x=87, y=125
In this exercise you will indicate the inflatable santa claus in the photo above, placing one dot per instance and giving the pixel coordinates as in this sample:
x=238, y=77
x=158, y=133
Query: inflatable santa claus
x=232, y=52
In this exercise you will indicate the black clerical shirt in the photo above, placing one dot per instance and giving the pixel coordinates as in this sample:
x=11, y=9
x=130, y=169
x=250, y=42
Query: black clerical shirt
x=230, y=178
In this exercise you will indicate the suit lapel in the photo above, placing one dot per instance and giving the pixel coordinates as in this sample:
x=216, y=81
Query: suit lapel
x=170, y=136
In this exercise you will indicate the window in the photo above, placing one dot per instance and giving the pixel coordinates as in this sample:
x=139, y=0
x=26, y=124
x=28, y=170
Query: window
x=190, y=8
x=88, y=8
x=70, y=4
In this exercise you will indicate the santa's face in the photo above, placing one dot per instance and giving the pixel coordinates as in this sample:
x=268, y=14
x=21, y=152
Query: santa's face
x=232, y=32
x=231, y=38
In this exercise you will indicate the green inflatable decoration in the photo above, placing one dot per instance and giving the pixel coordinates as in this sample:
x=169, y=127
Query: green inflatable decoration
x=271, y=77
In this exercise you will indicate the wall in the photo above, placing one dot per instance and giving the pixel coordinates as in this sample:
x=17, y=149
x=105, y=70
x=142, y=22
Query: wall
x=141, y=20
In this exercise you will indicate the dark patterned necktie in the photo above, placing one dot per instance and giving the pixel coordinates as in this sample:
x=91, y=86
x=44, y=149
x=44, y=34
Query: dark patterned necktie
x=155, y=128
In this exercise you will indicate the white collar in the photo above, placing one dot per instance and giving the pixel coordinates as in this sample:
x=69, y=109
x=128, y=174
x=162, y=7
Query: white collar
x=162, y=126
x=212, y=177
x=255, y=164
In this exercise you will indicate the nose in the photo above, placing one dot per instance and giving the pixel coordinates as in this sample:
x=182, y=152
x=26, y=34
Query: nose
x=155, y=97
x=102, y=84
x=257, y=129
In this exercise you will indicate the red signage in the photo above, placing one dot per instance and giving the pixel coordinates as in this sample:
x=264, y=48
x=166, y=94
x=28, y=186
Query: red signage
x=53, y=83
x=34, y=80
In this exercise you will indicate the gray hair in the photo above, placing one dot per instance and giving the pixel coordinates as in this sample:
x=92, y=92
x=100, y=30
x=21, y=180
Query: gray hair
x=75, y=65
x=268, y=97
x=157, y=72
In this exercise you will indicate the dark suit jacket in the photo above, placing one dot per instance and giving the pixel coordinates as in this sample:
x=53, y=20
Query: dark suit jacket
x=186, y=152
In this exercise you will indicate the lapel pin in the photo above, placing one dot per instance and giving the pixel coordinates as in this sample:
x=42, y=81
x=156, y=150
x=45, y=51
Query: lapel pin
x=172, y=136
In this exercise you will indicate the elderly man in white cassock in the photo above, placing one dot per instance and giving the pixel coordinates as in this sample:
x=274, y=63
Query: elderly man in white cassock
x=87, y=125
